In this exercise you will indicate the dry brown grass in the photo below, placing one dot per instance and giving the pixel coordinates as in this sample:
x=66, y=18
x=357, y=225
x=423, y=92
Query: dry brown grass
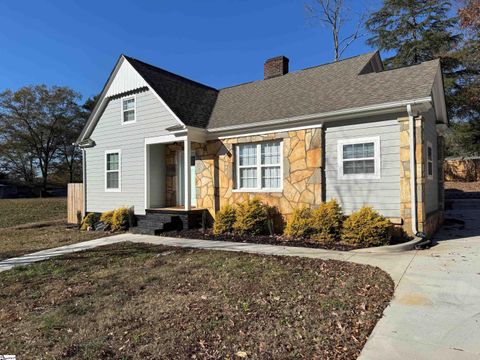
x=15, y=212
x=19, y=241
x=153, y=302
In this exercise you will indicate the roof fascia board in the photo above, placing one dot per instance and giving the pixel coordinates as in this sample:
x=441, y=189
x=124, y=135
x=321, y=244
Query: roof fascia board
x=438, y=97
x=323, y=117
x=101, y=102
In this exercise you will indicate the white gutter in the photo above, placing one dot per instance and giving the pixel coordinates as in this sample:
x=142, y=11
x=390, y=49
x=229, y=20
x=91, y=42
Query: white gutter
x=413, y=175
x=326, y=115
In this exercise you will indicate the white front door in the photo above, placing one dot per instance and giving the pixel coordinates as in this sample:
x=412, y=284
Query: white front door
x=181, y=180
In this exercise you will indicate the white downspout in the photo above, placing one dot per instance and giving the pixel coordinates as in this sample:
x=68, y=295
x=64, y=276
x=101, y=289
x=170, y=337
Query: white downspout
x=413, y=175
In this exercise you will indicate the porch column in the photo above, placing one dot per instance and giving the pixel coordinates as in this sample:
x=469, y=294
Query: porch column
x=187, y=177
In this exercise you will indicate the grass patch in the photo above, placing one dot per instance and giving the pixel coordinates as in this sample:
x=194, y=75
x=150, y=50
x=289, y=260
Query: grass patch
x=16, y=242
x=137, y=301
x=15, y=212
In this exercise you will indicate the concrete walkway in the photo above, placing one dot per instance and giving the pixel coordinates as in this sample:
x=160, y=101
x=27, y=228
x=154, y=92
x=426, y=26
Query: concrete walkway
x=435, y=313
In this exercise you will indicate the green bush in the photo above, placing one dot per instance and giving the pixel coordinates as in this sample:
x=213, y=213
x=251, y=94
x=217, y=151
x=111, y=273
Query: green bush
x=366, y=227
x=120, y=219
x=300, y=223
x=252, y=218
x=225, y=220
x=89, y=221
x=107, y=218
x=326, y=222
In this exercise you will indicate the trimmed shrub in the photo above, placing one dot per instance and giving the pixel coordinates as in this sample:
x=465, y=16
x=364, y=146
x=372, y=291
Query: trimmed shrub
x=107, y=218
x=300, y=223
x=366, y=227
x=120, y=219
x=225, y=220
x=89, y=221
x=252, y=218
x=326, y=222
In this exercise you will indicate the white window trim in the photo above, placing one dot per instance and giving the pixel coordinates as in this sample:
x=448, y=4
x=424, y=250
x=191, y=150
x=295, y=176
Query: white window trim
x=134, y=109
x=429, y=145
x=259, y=167
x=377, y=158
x=119, y=152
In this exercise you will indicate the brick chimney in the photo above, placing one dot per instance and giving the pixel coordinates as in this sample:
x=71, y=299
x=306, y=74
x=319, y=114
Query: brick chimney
x=274, y=67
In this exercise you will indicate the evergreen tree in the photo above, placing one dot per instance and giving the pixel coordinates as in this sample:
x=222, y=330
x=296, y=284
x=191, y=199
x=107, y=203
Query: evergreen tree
x=415, y=30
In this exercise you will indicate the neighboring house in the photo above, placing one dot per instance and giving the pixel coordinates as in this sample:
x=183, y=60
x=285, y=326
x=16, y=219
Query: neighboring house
x=169, y=146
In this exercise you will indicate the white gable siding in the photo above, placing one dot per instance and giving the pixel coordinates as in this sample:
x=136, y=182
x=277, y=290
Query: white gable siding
x=152, y=118
x=382, y=194
x=126, y=79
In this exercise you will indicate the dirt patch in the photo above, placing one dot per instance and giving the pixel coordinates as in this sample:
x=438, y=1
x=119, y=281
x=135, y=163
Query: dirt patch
x=137, y=301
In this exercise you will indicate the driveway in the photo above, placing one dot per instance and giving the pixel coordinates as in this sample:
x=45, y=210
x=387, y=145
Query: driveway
x=435, y=313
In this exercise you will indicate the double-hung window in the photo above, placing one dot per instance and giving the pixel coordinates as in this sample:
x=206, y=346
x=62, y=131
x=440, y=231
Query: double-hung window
x=429, y=160
x=258, y=166
x=112, y=170
x=128, y=109
x=359, y=158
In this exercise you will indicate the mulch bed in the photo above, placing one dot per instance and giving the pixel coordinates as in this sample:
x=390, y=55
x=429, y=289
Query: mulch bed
x=267, y=240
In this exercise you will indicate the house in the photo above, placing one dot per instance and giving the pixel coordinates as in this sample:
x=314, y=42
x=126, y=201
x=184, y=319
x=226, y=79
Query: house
x=172, y=148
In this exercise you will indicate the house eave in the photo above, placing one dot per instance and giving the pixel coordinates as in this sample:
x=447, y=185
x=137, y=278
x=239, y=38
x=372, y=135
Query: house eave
x=318, y=118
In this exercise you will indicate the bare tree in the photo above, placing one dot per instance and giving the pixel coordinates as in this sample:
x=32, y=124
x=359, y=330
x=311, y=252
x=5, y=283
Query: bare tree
x=334, y=14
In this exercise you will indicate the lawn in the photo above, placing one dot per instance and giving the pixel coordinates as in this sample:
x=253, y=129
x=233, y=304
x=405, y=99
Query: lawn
x=15, y=212
x=16, y=242
x=21, y=231
x=153, y=302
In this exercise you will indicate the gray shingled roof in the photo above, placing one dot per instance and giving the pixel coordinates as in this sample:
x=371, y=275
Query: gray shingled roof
x=191, y=101
x=319, y=89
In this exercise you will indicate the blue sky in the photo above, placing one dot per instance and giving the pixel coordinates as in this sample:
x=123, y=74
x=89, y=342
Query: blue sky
x=220, y=43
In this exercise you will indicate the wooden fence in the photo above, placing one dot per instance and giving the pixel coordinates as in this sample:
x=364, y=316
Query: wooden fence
x=75, y=202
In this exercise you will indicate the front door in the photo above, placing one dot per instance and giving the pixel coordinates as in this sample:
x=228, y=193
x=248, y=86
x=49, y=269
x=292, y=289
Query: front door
x=181, y=180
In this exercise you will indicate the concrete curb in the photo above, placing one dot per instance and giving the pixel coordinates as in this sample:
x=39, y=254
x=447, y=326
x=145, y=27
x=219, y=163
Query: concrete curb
x=410, y=245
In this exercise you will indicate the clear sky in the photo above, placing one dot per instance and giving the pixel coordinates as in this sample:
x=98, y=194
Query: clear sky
x=219, y=43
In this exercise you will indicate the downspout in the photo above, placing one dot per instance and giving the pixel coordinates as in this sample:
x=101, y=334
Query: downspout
x=413, y=174
x=84, y=175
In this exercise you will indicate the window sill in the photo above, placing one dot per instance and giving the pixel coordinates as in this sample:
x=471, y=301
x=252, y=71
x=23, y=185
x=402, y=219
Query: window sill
x=257, y=190
x=113, y=190
x=359, y=177
x=129, y=122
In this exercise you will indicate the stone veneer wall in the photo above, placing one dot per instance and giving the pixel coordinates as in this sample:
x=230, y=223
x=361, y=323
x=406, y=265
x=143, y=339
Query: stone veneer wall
x=302, y=172
x=427, y=223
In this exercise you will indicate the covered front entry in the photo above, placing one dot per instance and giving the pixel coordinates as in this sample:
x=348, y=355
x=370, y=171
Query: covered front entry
x=170, y=179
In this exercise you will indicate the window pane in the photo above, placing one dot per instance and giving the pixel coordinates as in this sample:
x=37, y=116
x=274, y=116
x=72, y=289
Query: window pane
x=359, y=167
x=128, y=104
x=112, y=161
x=348, y=151
x=430, y=157
x=358, y=151
x=271, y=177
x=248, y=178
x=112, y=180
x=430, y=168
x=369, y=150
x=248, y=154
x=271, y=153
x=129, y=115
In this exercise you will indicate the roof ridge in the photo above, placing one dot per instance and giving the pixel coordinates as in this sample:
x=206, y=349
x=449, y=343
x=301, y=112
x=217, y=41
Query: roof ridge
x=301, y=70
x=129, y=58
x=437, y=60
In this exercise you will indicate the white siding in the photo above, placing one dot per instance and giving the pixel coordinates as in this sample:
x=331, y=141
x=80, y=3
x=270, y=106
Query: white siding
x=126, y=79
x=152, y=120
x=384, y=193
x=431, y=185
